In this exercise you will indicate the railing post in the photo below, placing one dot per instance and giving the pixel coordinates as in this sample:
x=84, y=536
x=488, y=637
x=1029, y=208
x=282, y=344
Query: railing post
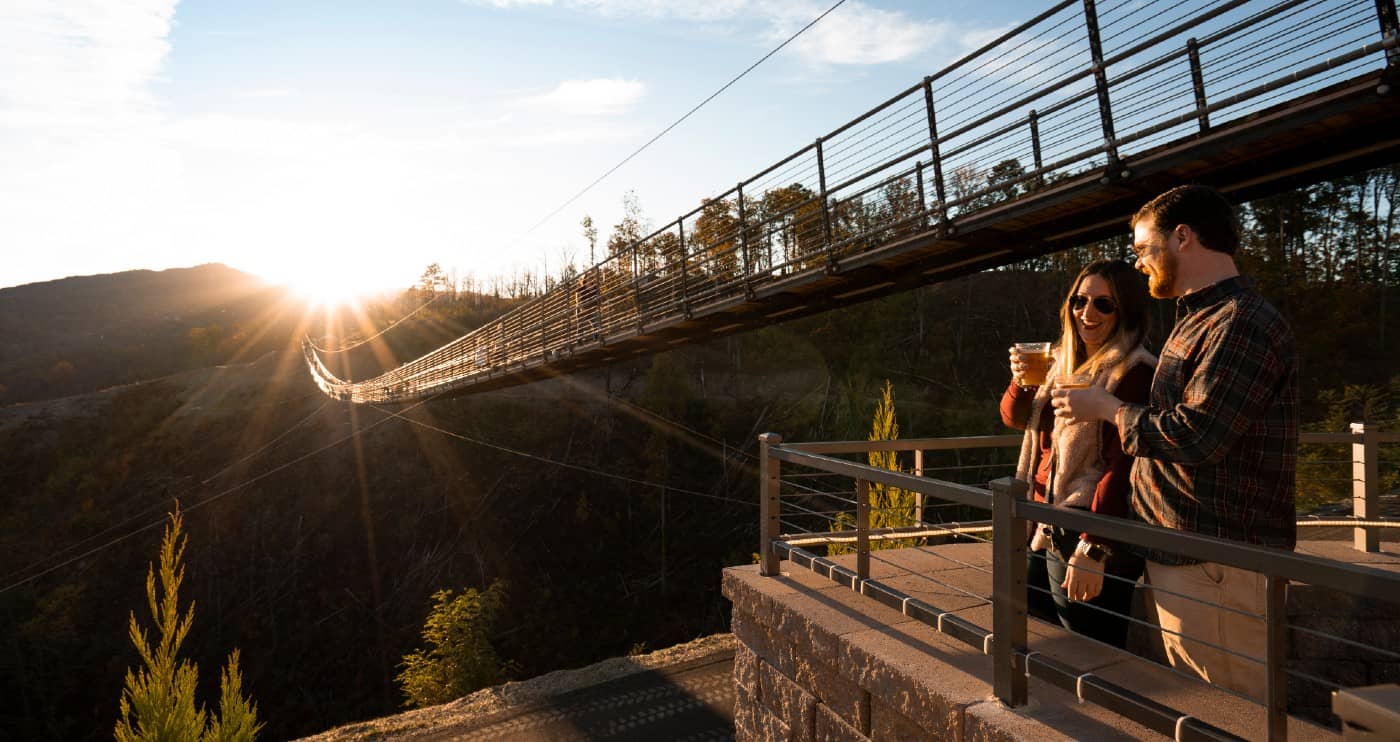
x=826, y=208
x=918, y=496
x=1276, y=655
x=923, y=199
x=769, y=504
x=1390, y=26
x=685, y=297
x=933, y=150
x=637, y=283
x=1198, y=84
x=544, y=341
x=1008, y=591
x=1035, y=149
x=862, y=529
x=1110, y=140
x=744, y=242
x=1365, y=486
x=598, y=301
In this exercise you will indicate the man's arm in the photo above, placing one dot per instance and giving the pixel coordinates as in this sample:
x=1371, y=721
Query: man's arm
x=1242, y=364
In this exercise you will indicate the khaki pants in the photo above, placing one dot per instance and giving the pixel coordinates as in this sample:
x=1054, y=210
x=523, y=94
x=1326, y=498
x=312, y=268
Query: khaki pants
x=1219, y=585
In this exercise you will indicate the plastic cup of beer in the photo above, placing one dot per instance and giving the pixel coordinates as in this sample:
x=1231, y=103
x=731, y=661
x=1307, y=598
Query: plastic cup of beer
x=1074, y=381
x=1036, y=360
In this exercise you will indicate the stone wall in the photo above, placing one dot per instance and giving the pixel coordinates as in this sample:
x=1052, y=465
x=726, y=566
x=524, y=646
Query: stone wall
x=817, y=661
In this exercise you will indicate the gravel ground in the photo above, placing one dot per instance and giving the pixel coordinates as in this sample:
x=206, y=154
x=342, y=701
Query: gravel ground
x=511, y=695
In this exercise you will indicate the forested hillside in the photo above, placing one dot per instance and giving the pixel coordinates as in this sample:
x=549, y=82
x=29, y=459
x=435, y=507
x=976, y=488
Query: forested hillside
x=605, y=504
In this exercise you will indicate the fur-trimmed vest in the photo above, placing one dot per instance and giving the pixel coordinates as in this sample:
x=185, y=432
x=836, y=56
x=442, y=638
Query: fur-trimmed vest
x=1077, y=449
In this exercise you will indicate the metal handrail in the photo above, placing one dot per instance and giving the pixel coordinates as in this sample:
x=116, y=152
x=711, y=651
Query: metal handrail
x=723, y=255
x=1012, y=511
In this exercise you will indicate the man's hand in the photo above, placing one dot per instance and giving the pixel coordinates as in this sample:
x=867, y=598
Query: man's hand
x=1084, y=405
x=1083, y=578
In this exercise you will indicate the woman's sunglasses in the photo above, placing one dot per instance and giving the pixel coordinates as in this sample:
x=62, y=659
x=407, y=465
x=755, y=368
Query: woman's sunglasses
x=1102, y=304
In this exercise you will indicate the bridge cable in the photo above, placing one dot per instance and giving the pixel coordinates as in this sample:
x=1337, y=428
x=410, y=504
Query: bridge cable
x=396, y=323
x=678, y=121
x=138, y=515
x=738, y=447
x=556, y=462
x=201, y=503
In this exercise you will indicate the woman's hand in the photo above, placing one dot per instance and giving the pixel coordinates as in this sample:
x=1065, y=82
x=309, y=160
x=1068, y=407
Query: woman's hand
x=1083, y=578
x=1085, y=405
x=1018, y=366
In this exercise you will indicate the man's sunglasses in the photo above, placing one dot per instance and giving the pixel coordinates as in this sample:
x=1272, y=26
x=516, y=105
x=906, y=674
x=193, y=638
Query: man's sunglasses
x=1102, y=304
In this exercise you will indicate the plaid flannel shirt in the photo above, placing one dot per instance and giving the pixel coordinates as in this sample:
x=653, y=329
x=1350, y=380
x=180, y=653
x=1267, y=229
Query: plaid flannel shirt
x=1217, y=443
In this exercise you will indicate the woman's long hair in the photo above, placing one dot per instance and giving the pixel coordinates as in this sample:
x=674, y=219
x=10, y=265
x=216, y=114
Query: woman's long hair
x=1129, y=290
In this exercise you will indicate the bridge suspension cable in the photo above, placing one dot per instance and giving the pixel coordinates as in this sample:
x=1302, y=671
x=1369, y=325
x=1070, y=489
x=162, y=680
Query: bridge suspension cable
x=1045, y=138
x=391, y=326
x=685, y=116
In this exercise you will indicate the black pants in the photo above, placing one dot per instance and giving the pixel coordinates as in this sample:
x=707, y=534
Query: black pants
x=1104, y=618
x=1039, y=601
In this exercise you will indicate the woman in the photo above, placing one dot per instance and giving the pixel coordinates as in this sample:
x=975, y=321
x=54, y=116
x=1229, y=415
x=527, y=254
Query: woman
x=1103, y=322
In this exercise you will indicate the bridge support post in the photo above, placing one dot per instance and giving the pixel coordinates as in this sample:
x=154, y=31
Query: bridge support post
x=862, y=531
x=923, y=200
x=1008, y=592
x=769, y=504
x=918, y=496
x=933, y=150
x=1390, y=26
x=1035, y=149
x=685, y=297
x=826, y=207
x=1110, y=140
x=744, y=243
x=1276, y=656
x=1198, y=84
x=1365, y=487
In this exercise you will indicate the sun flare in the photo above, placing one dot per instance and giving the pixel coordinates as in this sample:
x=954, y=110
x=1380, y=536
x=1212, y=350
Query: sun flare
x=326, y=291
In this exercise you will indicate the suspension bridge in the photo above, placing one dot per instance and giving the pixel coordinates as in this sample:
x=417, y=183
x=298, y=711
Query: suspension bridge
x=1046, y=138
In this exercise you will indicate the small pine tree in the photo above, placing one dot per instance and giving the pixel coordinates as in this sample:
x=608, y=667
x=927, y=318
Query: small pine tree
x=158, y=700
x=459, y=658
x=890, y=507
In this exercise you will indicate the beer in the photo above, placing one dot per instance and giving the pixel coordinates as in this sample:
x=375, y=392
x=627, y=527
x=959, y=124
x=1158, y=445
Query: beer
x=1074, y=381
x=1035, y=358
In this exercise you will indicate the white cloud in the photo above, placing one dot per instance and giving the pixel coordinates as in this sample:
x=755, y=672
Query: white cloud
x=507, y=4
x=599, y=97
x=266, y=93
x=857, y=34
x=854, y=34
x=89, y=57
x=85, y=169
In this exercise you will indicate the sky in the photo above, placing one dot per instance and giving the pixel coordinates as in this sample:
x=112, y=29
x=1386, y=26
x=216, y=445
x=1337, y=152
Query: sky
x=344, y=146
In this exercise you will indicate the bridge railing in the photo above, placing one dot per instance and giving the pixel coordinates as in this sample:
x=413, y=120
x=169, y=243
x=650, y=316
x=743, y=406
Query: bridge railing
x=1081, y=89
x=812, y=500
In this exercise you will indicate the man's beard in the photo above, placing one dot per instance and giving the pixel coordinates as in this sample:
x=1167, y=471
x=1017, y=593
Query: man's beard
x=1161, y=281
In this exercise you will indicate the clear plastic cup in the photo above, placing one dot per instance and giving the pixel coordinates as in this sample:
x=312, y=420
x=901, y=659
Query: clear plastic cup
x=1074, y=381
x=1035, y=358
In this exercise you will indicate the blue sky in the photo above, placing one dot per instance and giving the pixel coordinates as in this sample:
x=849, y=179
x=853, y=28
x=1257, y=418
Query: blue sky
x=349, y=144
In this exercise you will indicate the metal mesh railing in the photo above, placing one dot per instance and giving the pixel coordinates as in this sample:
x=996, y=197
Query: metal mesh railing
x=1073, y=91
x=827, y=508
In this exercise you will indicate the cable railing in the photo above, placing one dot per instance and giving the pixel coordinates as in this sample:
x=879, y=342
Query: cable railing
x=818, y=504
x=1083, y=88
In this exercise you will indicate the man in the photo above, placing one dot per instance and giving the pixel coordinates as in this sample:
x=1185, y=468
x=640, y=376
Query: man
x=1217, y=443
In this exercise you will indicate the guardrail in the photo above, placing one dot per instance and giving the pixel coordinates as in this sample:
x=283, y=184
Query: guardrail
x=1013, y=662
x=1076, y=90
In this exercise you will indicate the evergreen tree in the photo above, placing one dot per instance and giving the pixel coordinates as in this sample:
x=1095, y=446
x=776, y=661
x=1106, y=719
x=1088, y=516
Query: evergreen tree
x=890, y=507
x=459, y=658
x=158, y=701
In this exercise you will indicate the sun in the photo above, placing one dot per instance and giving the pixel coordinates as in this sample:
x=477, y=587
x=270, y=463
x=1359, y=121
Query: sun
x=326, y=291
